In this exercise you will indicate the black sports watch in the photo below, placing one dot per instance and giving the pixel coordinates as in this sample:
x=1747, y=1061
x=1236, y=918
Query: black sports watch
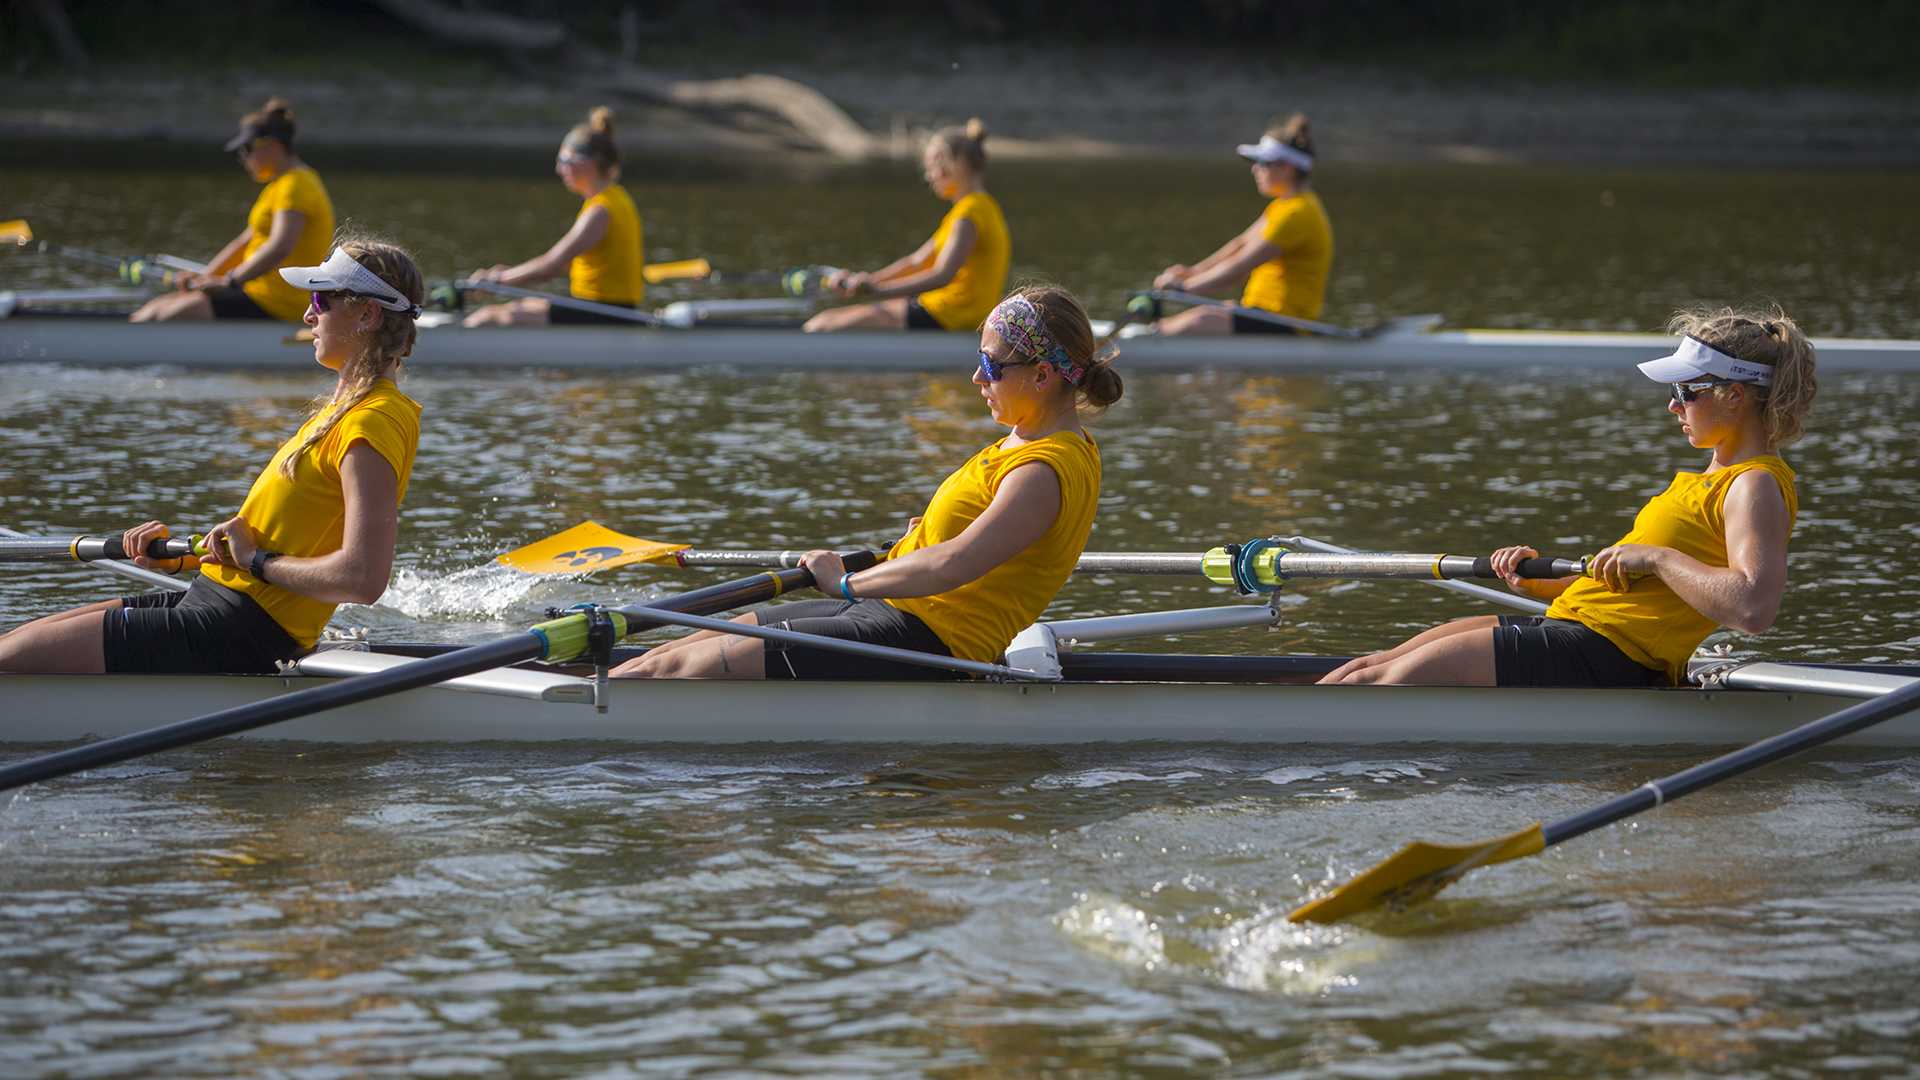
x=258, y=565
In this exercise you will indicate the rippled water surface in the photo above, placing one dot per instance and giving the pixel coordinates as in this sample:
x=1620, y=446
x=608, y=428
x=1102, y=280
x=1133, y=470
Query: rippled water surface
x=320, y=911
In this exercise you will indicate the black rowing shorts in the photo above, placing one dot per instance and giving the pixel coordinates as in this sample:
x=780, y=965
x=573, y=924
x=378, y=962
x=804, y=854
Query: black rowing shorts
x=875, y=622
x=209, y=629
x=1248, y=324
x=560, y=315
x=232, y=302
x=1533, y=650
x=919, y=318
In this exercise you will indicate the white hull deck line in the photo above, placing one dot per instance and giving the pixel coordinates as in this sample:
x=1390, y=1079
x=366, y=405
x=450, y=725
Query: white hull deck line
x=262, y=346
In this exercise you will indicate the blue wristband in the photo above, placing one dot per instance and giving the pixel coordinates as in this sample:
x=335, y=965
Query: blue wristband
x=846, y=586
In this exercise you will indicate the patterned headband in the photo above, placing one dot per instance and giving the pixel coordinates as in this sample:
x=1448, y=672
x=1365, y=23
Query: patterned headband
x=1018, y=323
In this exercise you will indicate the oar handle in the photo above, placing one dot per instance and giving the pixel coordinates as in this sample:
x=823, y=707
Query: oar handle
x=93, y=548
x=1541, y=566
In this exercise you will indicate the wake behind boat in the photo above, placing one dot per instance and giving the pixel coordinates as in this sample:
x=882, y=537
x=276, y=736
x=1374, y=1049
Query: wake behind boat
x=1411, y=343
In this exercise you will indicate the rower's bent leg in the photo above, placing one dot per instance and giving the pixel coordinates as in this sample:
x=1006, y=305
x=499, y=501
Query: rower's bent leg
x=175, y=307
x=1464, y=659
x=66, y=643
x=1206, y=320
x=879, y=315
x=1424, y=637
x=707, y=654
x=526, y=311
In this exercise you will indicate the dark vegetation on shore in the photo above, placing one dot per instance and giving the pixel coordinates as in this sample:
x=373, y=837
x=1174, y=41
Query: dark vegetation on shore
x=1697, y=44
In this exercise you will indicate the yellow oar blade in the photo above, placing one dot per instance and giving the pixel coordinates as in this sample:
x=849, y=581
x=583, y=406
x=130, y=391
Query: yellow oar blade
x=684, y=270
x=1415, y=873
x=587, y=547
x=16, y=230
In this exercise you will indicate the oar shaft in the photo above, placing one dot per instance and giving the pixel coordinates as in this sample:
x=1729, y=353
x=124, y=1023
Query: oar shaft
x=91, y=548
x=1278, y=566
x=613, y=311
x=1765, y=752
x=333, y=695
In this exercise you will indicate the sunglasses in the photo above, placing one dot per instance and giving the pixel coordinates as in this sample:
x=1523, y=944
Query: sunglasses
x=321, y=305
x=1685, y=392
x=994, y=370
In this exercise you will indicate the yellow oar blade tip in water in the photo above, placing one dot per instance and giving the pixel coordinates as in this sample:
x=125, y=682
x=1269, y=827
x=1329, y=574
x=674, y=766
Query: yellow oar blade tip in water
x=585, y=548
x=16, y=230
x=1415, y=873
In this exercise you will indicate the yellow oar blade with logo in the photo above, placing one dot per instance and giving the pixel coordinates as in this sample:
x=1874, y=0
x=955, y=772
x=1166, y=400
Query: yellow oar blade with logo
x=1415, y=873
x=17, y=230
x=587, y=547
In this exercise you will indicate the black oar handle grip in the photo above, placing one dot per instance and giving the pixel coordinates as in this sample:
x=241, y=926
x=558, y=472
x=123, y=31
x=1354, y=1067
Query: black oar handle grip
x=110, y=547
x=1537, y=567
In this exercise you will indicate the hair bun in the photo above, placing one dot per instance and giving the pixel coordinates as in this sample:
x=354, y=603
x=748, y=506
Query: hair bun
x=977, y=129
x=600, y=119
x=278, y=105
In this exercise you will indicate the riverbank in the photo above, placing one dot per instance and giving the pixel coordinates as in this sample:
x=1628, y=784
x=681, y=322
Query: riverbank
x=1087, y=102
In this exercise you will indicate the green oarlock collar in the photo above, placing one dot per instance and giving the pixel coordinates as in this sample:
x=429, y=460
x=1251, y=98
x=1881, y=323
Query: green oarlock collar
x=565, y=638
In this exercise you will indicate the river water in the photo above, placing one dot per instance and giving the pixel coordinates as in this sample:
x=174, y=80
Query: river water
x=621, y=910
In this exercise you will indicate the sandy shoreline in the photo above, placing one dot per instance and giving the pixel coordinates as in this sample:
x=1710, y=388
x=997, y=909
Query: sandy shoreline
x=1103, y=102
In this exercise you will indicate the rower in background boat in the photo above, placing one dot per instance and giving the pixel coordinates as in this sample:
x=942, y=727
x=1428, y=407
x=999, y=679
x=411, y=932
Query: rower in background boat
x=997, y=541
x=1285, y=256
x=291, y=223
x=317, y=528
x=1709, y=551
x=953, y=280
x=604, y=252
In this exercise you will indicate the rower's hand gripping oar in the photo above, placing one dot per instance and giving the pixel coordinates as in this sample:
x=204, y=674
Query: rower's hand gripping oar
x=582, y=632
x=1419, y=870
x=93, y=548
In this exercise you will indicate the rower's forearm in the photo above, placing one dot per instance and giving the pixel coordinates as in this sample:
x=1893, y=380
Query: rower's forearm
x=263, y=261
x=910, y=285
x=534, y=270
x=1721, y=593
x=921, y=573
x=228, y=257
x=338, y=578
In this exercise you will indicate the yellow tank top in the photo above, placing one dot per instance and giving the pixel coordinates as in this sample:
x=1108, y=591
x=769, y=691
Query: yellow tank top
x=1294, y=282
x=1649, y=622
x=610, y=270
x=978, y=619
x=966, y=301
x=306, y=516
x=300, y=191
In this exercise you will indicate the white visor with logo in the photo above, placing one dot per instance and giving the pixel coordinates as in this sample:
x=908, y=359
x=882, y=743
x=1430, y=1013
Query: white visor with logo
x=1695, y=359
x=340, y=273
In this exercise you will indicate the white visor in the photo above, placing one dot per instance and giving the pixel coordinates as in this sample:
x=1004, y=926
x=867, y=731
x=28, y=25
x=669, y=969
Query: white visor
x=1695, y=359
x=340, y=273
x=1270, y=150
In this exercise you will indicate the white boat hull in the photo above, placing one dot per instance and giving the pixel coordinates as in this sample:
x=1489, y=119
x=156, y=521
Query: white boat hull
x=257, y=346
x=57, y=708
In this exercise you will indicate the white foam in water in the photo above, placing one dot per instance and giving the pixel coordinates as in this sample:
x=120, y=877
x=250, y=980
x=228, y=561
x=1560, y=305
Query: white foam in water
x=1116, y=930
x=490, y=591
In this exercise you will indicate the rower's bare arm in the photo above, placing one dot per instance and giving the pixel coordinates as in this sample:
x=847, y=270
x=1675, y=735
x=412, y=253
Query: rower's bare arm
x=229, y=256
x=1249, y=253
x=1745, y=594
x=960, y=242
x=287, y=227
x=587, y=231
x=1021, y=512
x=359, y=571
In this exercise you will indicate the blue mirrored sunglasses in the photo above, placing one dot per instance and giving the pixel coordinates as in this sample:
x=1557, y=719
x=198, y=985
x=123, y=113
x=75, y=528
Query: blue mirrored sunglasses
x=321, y=303
x=994, y=370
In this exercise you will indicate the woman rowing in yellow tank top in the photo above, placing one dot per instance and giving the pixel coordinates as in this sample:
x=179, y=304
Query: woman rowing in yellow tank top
x=291, y=224
x=1709, y=551
x=602, y=254
x=953, y=280
x=998, y=539
x=1285, y=256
